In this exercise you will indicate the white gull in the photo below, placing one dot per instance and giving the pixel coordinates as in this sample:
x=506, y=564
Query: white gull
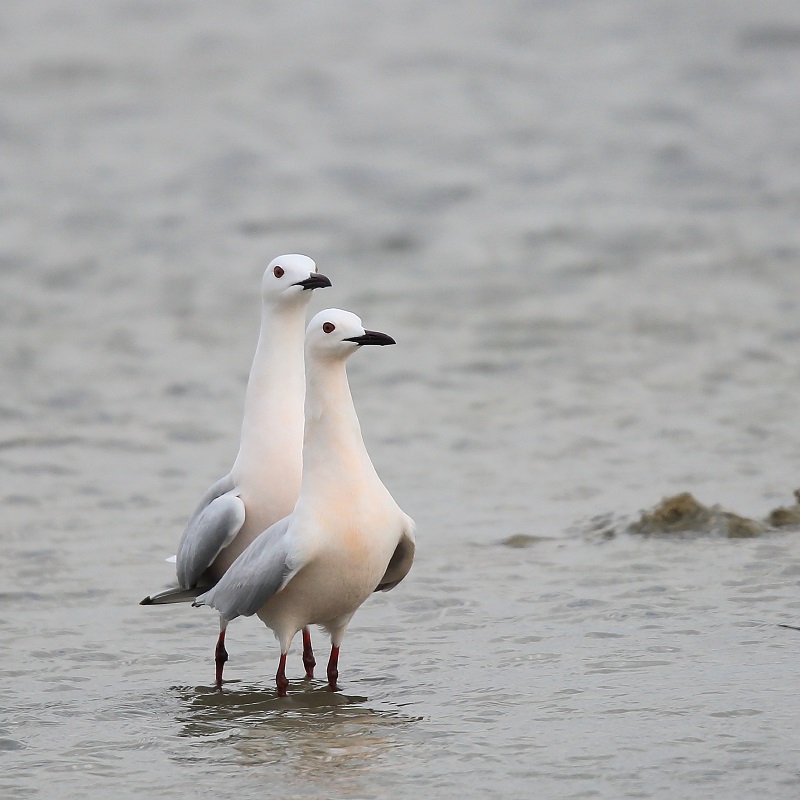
x=264, y=482
x=346, y=537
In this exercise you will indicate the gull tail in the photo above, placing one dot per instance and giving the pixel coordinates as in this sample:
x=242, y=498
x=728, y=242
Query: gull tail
x=176, y=595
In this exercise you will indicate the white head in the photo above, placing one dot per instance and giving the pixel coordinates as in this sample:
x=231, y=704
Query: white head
x=334, y=334
x=291, y=277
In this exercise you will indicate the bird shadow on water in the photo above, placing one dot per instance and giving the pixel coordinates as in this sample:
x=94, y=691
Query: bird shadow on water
x=314, y=729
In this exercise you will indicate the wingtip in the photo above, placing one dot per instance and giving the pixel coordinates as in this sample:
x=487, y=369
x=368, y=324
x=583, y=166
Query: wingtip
x=148, y=601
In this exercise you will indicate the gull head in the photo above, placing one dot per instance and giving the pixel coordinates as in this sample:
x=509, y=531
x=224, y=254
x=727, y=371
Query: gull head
x=334, y=334
x=291, y=278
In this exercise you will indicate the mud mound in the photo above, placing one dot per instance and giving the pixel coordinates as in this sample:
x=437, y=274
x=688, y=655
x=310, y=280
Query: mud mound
x=786, y=516
x=683, y=513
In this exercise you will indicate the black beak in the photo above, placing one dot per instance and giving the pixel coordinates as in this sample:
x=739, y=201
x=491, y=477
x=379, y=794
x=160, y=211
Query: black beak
x=372, y=337
x=315, y=281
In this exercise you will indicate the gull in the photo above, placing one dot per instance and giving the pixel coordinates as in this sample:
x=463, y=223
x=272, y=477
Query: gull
x=264, y=482
x=346, y=537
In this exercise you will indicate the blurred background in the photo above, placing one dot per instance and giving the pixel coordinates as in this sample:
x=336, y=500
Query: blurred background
x=580, y=222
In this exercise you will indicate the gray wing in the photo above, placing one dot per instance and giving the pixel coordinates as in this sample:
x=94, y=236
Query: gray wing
x=222, y=486
x=212, y=527
x=254, y=577
x=399, y=564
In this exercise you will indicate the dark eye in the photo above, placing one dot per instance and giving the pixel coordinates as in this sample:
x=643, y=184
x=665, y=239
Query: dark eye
x=278, y=272
x=328, y=327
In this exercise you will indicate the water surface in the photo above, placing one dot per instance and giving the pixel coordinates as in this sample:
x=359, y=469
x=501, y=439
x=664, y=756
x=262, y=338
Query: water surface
x=579, y=220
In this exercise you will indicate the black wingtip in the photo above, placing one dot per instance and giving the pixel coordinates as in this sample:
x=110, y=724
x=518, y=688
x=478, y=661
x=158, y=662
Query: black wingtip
x=148, y=601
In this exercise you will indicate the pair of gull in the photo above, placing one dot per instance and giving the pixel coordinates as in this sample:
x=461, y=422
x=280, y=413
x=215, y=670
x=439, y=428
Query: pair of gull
x=301, y=531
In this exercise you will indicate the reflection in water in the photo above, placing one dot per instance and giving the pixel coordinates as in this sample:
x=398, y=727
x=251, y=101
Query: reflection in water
x=313, y=734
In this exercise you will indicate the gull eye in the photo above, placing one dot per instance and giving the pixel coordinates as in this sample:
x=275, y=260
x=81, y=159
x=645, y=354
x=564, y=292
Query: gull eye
x=328, y=327
x=278, y=272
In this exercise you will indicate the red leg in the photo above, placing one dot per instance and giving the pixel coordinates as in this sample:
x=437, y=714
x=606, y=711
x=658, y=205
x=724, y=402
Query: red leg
x=308, y=654
x=220, y=657
x=281, y=681
x=333, y=671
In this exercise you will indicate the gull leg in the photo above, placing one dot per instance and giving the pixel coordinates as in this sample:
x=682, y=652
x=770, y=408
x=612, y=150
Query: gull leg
x=308, y=654
x=333, y=671
x=281, y=681
x=220, y=654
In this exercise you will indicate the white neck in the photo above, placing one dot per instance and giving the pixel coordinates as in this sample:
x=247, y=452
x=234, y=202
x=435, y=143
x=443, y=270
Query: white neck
x=333, y=447
x=272, y=428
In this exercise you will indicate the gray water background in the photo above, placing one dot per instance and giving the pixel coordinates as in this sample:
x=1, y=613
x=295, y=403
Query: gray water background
x=580, y=221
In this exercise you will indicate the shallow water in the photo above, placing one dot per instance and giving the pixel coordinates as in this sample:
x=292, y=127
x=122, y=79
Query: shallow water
x=578, y=219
